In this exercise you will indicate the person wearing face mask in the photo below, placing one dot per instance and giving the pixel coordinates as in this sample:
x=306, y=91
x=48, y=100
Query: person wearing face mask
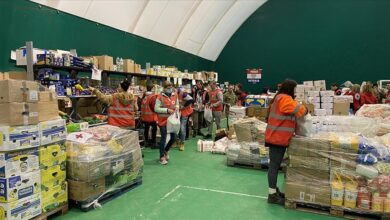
x=216, y=105
x=122, y=106
x=166, y=105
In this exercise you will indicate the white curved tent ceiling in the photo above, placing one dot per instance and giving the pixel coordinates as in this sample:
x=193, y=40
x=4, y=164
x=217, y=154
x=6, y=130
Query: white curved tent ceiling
x=200, y=27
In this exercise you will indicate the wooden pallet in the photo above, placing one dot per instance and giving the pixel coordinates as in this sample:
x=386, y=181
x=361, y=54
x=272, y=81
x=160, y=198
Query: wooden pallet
x=55, y=212
x=335, y=211
x=107, y=197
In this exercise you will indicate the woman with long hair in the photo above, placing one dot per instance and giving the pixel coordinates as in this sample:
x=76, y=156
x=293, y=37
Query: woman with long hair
x=367, y=96
x=281, y=127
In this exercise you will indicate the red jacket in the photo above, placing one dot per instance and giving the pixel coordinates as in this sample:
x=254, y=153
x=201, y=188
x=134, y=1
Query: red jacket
x=387, y=100
x=356, y=100
x=367, y=98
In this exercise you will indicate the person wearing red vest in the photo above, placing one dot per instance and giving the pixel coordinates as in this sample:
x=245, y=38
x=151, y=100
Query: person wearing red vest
x=387, y=98
x=216, y=105
x=166, y=105
x=281, y=126
x=355, y=93
x=185, y=102
x=122, y=106
x=148, y=116
x=367, y=96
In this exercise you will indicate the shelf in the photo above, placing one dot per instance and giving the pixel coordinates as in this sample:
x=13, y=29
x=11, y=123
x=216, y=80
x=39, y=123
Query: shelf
x=132, y=74
x=81, y=96
x=65, y=68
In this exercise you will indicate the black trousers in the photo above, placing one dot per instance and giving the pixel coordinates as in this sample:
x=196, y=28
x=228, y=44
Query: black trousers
x=276, y=154
x=152, y=125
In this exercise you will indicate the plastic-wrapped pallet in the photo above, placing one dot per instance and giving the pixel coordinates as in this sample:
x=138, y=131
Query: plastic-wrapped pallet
x=381, y=111
x=250, y=130
x=246, y=153
x=340, y=169
x=236, y=113
x=107, y=157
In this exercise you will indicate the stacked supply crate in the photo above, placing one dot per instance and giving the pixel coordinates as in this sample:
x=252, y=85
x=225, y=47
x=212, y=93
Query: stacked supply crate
x=52, y=161
x=20, y=181
x=102, y=162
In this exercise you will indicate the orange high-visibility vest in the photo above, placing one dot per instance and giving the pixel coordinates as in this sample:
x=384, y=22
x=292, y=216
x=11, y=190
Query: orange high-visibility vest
x=213, y=95
x=121, y=115
x=147, y=114
x=186, y=111
x=166, y=102
x=281, y=126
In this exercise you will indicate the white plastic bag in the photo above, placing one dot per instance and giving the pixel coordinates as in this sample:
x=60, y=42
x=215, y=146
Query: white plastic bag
x=173, y=124
x=305, y=126
x=208, y=114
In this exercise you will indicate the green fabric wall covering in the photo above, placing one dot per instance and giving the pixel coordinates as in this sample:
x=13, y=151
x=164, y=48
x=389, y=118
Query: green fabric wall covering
x=23, y=21
x=336, y=40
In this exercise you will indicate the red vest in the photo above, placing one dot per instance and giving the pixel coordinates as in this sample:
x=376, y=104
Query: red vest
x=186, y=111
x=147, y=114
x=121, y=115
x=387, y=100
x=213, y=95
x=166, y=102
x=368, y=98
x=281, y=126
x=356, y=100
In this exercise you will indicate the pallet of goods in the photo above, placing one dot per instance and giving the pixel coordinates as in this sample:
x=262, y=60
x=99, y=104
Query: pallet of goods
x=102, y=163
x=29, y=125
x=339, y=172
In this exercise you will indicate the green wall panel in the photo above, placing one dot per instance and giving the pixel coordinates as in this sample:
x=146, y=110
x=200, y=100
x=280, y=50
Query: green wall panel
x=336, y=40
x=23, y=21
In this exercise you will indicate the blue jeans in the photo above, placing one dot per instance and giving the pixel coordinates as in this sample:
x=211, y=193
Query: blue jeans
x=183, y=128
x=163, y=146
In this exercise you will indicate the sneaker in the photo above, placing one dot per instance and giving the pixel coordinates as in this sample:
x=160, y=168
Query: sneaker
x=163, y=161
x=181, y=147
x=280, y=193
x=166, y=154
x=275, y=199
x=208, y=136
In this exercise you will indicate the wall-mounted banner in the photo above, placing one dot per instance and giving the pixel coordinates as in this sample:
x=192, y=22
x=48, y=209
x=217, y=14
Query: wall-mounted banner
x=253, y=75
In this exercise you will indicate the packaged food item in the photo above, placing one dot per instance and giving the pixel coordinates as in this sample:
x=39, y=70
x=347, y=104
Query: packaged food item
x=18, y=137
x=54, y=197
x=52, y=131
x=52, y=155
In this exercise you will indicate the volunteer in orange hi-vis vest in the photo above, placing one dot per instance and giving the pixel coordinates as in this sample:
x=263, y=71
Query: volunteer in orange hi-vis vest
x=122, y=106
x=166, y=105
x=148, y=116
x=185, y=102
x=284, y=111
x=216, y=105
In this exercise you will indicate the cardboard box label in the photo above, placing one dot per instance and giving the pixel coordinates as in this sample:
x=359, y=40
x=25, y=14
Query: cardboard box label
x=33, y=96
x=23, y=209
x=18, y=162
x=19, y=187
x=20, y=137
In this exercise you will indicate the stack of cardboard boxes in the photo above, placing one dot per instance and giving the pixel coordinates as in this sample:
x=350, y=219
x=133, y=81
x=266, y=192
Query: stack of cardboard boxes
x=23, y=128
x=308, y=172
x=52, y=161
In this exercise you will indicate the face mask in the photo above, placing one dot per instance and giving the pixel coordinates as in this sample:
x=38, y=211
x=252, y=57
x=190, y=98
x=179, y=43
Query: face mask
x=168, y=92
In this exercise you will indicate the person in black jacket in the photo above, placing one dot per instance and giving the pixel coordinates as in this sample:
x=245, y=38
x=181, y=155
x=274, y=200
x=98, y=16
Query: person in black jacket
x=200, y=97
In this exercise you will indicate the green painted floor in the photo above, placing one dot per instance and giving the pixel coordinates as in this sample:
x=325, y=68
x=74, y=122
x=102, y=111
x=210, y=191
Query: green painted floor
x=193, y=186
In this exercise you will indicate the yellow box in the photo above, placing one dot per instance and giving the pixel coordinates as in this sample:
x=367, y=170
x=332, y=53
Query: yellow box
x=54, y=197
x=52, y=155
x=53, y=176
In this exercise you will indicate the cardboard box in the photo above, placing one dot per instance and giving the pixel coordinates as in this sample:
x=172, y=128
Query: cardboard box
x=309, y=147
x=88, y=171
x=257, y=111
x=105, y=62
x=48, y=111
x=309, y=89
x=318, y=163
x=19, y=137
x=53, y=176
x=329, y=112
x=327, y=93
x=18, y=162
x=52, y=155
x=308, y=83
x=314, y=176
x=343, y=99
x=19, y=187
x=310, y=108
x=55, y=197
x=321, y=83
x=300, y=95
x=52, y=131
x=317, y=105
x=23, y=209
x=82, y=191
x=319, y=88
x=47, y=96
x=327, y=99
x=16, y=114
x=313, y=100
x=341, y=108
x=320, y=112
x=17, y=75
x=304, y=192
x=300, y=89
x=92, y=60
x=237, y=112
x=313, y=93
x=18, y=91
x=128, y=66
x=326, y=105
x=257, y=100
x=137, y=68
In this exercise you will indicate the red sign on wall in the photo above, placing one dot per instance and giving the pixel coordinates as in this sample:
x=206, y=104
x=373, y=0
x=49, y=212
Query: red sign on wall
x=253, y=75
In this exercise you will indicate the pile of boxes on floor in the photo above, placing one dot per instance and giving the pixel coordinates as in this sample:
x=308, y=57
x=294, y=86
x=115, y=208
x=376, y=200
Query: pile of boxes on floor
x=101, y=161
x=321, y=102
x=31, y=147
x=343, y=164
